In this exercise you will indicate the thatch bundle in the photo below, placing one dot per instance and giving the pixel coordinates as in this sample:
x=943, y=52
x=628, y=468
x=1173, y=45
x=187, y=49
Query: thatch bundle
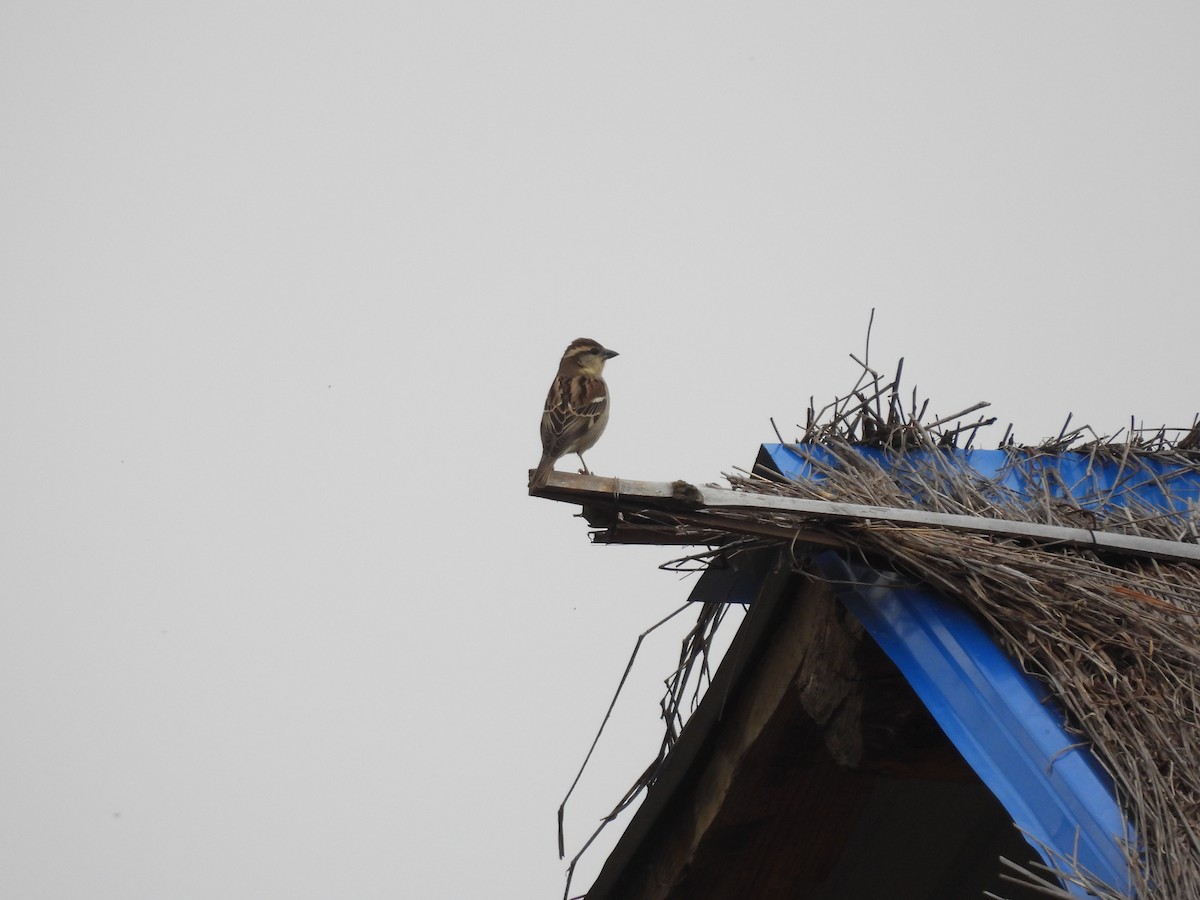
x=1116, y=638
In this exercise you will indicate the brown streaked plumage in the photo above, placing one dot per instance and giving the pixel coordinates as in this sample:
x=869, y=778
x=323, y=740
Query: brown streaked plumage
x=576, y=407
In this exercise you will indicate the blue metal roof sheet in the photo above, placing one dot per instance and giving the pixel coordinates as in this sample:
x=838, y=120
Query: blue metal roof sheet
x=1087, y=481
x=1002, y=720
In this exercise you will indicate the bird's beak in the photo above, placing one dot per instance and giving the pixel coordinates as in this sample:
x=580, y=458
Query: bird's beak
x=609, y=354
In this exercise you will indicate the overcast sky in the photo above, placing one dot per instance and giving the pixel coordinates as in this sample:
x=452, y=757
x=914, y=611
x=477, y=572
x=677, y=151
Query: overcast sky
x=282, y=289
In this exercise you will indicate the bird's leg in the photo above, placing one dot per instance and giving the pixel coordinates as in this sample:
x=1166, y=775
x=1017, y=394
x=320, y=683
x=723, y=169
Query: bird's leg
x=584, y=470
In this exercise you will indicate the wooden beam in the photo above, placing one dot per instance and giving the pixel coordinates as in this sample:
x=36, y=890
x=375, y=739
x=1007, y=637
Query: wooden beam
x=682, y=496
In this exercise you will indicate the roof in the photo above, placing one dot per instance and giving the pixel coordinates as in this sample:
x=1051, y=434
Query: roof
x=969, y=570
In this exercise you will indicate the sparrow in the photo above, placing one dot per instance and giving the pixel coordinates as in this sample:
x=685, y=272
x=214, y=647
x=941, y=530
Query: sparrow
x=576, y=407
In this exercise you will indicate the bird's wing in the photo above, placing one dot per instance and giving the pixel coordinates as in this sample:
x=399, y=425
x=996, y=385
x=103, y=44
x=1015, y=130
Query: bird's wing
x=574, y=405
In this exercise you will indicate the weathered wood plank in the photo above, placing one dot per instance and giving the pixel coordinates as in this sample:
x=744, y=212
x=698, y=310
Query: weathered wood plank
x=719, y=498
x=681, y=495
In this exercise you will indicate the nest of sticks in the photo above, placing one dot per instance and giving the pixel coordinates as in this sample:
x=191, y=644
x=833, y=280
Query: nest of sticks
x=1117, y=640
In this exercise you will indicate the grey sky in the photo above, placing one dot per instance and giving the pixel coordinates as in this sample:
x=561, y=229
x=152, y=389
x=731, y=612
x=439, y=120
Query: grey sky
x=284, y=285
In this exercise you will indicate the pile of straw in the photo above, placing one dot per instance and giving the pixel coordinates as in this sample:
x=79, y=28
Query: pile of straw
x=1116, y=639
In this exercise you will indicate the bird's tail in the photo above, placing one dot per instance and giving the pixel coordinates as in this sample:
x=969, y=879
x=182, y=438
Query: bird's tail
x=542, y=475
